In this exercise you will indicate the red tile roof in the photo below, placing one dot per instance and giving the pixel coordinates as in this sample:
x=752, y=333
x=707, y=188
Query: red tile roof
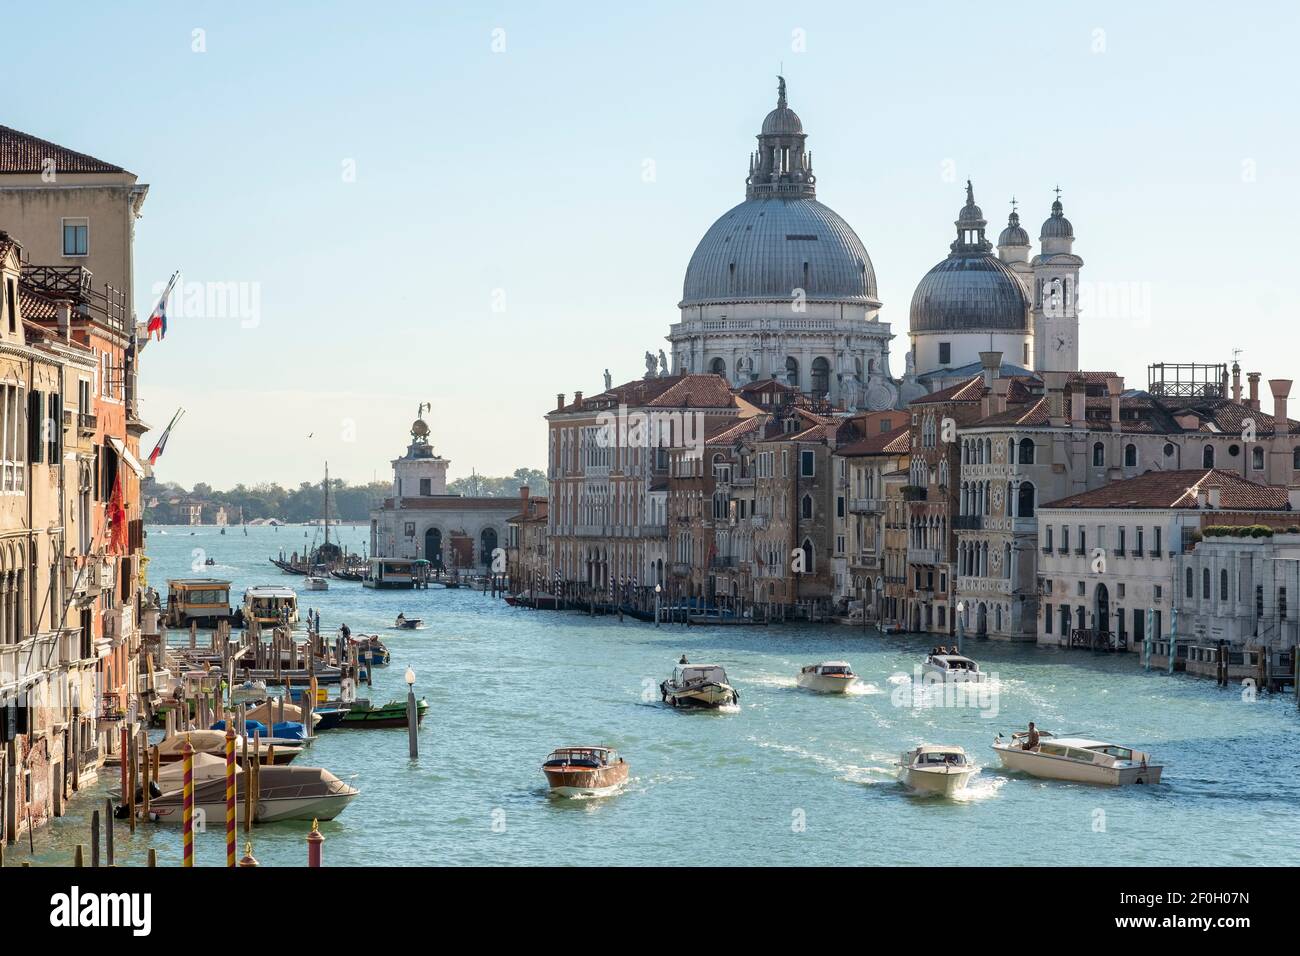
x=677, y=391
x=887, y=443
x=23, y=153
x=1178, y=489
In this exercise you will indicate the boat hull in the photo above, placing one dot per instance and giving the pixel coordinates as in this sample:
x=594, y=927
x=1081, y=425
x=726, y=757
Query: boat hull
x=1062, y=768
x=943, y=781
x=825, y=683
x=586, y=781
x=708, y=696
x=930, y=672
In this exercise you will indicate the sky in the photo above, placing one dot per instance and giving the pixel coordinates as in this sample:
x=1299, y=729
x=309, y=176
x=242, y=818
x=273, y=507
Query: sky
x=481, y=205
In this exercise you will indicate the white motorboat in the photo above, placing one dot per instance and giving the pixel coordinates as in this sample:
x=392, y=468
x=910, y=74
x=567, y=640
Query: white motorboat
x=698, y=685
x=934, y=769
x=271, y=605
x=313, y=583
x=1077, y=758
x=951, y=667
x=828, y=677
x=283, y=793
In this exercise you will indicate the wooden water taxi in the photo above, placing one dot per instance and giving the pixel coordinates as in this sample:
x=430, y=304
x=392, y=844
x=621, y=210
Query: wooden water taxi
x=584, y=771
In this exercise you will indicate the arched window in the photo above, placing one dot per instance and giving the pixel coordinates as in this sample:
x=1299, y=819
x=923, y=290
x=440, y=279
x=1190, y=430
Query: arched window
x=821, y=377
x=718, y=367
x=1026, y=451
x=1098, y=455
x=808, y=556
x=1207, y=456
x=1257, y=458
x=792, y=371
x=1205, y=584
x=1025, y=499
x=1130, y=455
x=806, y=507
x=1190, y=587
x=1223, y=584
x=487, y=544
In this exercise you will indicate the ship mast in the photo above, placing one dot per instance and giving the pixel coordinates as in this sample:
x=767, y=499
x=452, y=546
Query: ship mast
x=327, y=506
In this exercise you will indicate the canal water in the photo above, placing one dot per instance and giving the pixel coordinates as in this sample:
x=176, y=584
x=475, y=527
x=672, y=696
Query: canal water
x=789, y=778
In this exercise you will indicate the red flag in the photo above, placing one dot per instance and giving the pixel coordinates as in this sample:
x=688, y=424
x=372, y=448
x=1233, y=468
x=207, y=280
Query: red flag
x=117, y=519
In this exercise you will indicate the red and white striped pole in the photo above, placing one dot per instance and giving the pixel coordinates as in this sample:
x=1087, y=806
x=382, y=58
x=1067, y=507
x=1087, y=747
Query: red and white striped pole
x=230, y=793
x=314, y=840
x=187, y=814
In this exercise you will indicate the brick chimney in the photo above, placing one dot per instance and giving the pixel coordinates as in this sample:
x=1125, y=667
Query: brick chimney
x=1114, y=388
x=577, y=398
x=523, y=498
x=1281, y=388
x=1253, y=379
x=559, y=401
x=1236, y=382
x=63, y=309
x=1054, y=388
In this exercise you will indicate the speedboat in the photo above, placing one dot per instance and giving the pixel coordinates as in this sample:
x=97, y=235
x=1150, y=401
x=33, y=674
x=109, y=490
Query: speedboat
x=584, y=771
x=952, y=667
x=362, y=713
x=698, y=685
x=314, y=583
x=933, y=769
x=283, y=793
x=828, y=677
x=408, y=623
x=1077, y=758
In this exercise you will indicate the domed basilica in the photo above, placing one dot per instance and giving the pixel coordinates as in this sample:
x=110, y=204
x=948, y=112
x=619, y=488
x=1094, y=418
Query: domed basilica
x=781, y=287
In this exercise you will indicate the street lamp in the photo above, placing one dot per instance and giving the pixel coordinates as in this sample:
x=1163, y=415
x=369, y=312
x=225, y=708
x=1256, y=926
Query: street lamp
x=412, y=715
x=961, y=623
x=658, y=591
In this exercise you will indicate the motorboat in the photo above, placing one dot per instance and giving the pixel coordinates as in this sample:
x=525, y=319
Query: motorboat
x=405, y=623
x=172, y=749
x=828, y=677
x=283, y=793
x=362, y=713
x=936, y=769
x=584, y=771
x=698, y=685
x=952, y=667
x=271, y=605
x=371, y=650
x=1076, y=758
x=247, y=692
x=314, y=583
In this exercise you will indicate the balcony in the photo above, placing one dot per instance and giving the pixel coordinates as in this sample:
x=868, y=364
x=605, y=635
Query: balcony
x=85, y=422
x=866, y=505
x=653, y=531
x=722, y=562
x=23, y=663
x=922, y=555
x=968, y=522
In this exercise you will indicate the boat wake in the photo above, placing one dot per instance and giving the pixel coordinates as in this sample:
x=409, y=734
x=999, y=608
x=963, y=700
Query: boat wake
x=861, y=688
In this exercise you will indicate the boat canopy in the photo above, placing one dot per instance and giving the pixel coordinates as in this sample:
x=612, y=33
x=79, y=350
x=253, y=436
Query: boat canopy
x=271, y=592
x=706, y=672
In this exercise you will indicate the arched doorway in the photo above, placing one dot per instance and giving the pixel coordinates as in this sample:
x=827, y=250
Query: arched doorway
x=982, y=621
x=718, y=367
x=487, y=543
x=1101, y=609
x=433, y=547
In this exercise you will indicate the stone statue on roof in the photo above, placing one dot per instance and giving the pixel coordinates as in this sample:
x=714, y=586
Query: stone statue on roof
x=649, y=365
x=609, y=382
x=663, y=364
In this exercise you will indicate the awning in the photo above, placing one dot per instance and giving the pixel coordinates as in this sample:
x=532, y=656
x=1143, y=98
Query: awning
x=132, y=462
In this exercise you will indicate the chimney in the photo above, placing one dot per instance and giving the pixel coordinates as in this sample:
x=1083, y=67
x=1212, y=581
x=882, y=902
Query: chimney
x=1253, y=379
x=577, y=398
x=559, y=401
x=1213, y=492
x=1079, y=404
x=1114, y=388
x=523, y=498
x=1236, y=382
x=63, y=309
x=1281, y=388
x=1000, y=389
x=992, y=362
x=1054, y=388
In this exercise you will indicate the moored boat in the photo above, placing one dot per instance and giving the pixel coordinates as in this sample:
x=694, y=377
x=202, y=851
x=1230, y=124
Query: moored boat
x=271, y=605
x=362, y=713
x=1079, y=759
x=942, y=770
x=698, y=685
x=283, y=793
x=584, y=771
x=828, y=677
x=315, y=583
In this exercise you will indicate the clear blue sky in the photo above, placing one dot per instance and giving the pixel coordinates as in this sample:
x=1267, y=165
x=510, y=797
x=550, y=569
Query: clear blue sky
x=1172, y=133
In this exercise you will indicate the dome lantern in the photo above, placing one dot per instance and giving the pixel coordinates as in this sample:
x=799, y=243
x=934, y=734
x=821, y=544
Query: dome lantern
x=781, y=166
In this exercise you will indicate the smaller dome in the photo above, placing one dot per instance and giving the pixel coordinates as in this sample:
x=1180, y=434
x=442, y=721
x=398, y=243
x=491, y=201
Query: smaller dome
x=1013, y=235
x=782, y=121
x=1056, y=226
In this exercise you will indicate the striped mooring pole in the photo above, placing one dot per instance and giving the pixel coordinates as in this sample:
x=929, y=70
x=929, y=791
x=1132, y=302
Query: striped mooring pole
x=314, y=840
x=187, y=814
x=230, y=794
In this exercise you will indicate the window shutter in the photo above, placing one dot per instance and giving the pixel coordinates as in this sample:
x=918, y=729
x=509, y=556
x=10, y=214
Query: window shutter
x=56, y=428
x=35, y=434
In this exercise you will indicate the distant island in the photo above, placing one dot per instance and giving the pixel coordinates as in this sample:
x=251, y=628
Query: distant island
x=171, y=503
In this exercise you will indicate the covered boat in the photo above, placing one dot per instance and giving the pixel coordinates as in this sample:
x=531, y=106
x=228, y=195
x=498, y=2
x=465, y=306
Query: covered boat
x=201, y=601
x=1080, y=759
x=392, y=714
x=283, y=793
x=584, y=771
x=947, y=668
x=828, y=677
x=698, y=685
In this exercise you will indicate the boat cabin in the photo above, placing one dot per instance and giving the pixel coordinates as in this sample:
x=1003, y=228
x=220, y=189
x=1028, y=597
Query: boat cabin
x=939, y=756
x=203, y=601
x=271, y=605
x=954, y=662
x=699, y=674
x=830, y=669
x=1090, y=751
x=581, y=757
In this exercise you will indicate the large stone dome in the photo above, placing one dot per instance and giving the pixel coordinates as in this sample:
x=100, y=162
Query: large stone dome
x=765, y=248
x=970, y=293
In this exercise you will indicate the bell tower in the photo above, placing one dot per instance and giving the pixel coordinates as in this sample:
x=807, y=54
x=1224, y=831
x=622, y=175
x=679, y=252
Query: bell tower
x=1056, y=295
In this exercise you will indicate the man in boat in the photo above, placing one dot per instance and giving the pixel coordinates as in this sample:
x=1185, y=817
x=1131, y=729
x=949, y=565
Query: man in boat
x=683, y=660
x=401, y=618
x=1031, y=738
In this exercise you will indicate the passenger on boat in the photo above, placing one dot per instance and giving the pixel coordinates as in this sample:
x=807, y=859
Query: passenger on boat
x=683, y=660
x=1031, y=738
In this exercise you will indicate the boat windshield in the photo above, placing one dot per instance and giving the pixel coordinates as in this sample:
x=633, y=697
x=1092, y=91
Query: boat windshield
x=1119, y=753
x=710, y=672
x=836, y=670
x=935, y=759
x=573, y=755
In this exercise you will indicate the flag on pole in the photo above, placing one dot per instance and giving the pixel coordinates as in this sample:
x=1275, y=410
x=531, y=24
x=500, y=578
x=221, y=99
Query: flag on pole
x=117, y=519
x=158, y=317
x=162, y=439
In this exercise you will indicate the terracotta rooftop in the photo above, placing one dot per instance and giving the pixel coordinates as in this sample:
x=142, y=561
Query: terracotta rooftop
x=677, y=391
x=887, y=443
x=23, y=153
x=1178, y=489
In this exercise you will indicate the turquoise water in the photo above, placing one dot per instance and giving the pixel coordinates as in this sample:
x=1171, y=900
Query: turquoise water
x=791, y=778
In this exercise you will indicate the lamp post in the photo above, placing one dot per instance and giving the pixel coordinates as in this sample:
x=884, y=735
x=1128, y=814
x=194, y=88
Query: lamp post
x=658, y=591
x=961, y=624
x=412, y=715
